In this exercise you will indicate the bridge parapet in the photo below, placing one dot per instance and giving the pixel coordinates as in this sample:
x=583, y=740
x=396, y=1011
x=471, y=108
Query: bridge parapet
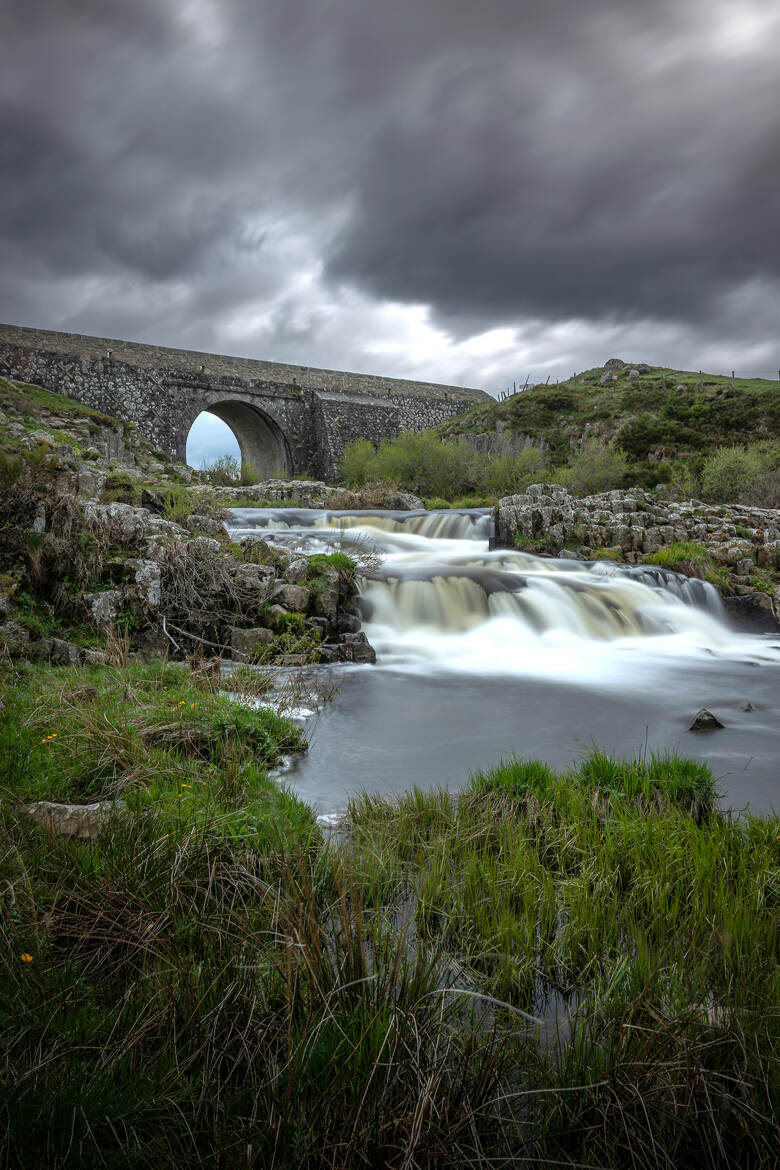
x=287, y=419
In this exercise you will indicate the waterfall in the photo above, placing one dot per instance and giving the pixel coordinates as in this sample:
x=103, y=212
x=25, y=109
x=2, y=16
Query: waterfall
x=436, y=594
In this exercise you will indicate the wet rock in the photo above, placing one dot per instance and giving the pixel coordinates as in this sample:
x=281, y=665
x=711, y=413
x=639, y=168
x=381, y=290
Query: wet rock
x=704, y=720
x=247, y=642
x=753, y=612
x=347, y=623
x=293, y=597
x=73, y=820
x=349, y=648
x=326, y=603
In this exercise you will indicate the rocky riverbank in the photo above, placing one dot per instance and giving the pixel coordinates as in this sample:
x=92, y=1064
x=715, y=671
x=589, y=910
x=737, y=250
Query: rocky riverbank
x=108, y=550
x=736, y=547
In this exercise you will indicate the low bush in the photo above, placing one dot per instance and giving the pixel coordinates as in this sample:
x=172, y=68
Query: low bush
x=441, y=469
x=597, y=467
x=727, y=473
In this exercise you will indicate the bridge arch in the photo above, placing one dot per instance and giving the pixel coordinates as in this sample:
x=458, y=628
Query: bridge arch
x=262, y=442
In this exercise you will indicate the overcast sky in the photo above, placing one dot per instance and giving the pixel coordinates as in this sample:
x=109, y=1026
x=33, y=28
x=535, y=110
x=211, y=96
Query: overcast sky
x=457, y=191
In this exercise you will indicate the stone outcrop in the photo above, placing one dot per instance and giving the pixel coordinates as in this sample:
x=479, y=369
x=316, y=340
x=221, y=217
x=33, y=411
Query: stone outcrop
x=310, y=493
x=633, y=525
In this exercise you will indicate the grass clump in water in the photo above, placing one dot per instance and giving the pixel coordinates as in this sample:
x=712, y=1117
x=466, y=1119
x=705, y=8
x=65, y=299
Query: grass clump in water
x=203, y=986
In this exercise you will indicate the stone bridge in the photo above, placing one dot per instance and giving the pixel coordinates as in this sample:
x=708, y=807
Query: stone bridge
x=287, y=419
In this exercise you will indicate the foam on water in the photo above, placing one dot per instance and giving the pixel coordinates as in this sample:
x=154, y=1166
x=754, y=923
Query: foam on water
x=438, y=599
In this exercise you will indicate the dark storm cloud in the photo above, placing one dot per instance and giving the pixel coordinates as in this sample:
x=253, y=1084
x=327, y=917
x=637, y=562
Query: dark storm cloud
x=173, y=167
x=590, y=182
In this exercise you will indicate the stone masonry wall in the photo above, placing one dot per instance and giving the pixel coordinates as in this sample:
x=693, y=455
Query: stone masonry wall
x=162, y=391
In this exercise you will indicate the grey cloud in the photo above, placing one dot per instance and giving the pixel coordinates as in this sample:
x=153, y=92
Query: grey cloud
x=500, y=163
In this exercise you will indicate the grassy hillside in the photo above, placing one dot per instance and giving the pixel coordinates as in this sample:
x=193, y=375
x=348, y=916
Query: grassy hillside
x=661, y=419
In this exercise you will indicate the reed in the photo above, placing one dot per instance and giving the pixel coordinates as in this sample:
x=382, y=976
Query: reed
x=550, y=968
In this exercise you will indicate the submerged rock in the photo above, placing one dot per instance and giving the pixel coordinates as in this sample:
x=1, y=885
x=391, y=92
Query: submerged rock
x=704, y=720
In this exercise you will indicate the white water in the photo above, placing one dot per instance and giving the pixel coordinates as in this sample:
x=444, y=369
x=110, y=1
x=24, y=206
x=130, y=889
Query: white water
x=482, y=654
x=438, y=600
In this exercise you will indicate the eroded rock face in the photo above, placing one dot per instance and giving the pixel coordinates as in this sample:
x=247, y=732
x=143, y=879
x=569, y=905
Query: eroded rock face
x=148, y=582
x=636, y=524
x=125, y=524
x=316, y=494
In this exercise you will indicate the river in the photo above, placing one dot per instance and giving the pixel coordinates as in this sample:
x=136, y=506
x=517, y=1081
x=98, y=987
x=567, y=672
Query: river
x=484, y=654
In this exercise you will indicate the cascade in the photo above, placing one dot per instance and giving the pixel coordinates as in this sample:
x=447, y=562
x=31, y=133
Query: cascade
x=437, y=594
x=486, y=652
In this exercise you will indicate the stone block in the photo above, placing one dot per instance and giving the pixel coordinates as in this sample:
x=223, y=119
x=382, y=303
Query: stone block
x=293, y=597
x=297, y=571
x=258, y=580
x=73, y=820
x=204, y=526
x=62, y=653
x=249, y=641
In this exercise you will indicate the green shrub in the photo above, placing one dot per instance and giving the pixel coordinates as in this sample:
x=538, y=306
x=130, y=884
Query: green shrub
x=505, y=475
x=359, y=463
x=727, y=474
x=224, y=471
x=597, y=467
x=441, y=470
x=683, y=556
x=344, y=565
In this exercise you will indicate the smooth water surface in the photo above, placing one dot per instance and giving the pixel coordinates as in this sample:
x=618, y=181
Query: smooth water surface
x=483, y=654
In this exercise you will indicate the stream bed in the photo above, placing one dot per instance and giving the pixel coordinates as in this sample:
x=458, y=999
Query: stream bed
x=484, y=654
